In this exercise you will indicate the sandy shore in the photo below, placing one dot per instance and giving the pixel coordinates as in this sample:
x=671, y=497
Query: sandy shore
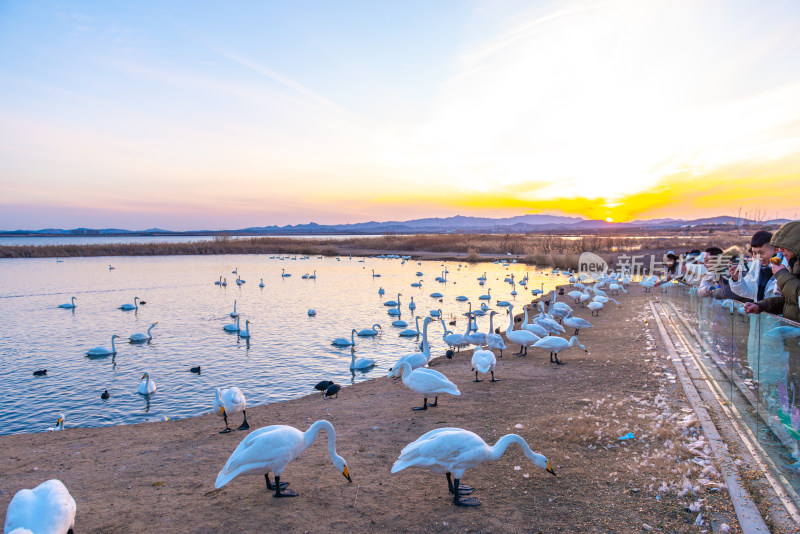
x=159, y=477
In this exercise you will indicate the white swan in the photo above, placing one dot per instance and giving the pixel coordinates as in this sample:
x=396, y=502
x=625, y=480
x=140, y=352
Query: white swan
x=523, y=338
x=417, y=284
x=462, y=298
x=59, y=424
x=412, y=305
x=271, y=449
x=453, y=451
x=246, y=331
x=147, y=386
x=312, y=312
x=361, y=363
x=487, y=296
x=368, y=332
x=483, y=361
x=284, y=274
x=428, y=383
x=262, y=283
x=102, y=351
x=414, y=359
x=436, y=295
x=47, y=508
x=410, y=332
x=230, y=400
x=555, y=344
x=70, y=304
x=139, y=337
x=134, y=306
x=494, y=341
x=313, y=276
x=533, y=327
x=224, y=281
x=474, y=338
x=393, y=303
x=232, y=327
x=595, y=307
x=454, y=341
x=375, y=275
x=239, y=281
x=576, y=322
x=344, y=342
x=218, y=282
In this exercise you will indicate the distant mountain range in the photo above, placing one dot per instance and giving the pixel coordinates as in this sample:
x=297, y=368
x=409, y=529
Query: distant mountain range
x=459, y=223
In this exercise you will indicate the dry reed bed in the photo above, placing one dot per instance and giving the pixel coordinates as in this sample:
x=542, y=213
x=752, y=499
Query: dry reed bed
x=535, y=249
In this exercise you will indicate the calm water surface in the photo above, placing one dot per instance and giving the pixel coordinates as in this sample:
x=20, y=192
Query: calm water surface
x=287, y=354
x=104, y=240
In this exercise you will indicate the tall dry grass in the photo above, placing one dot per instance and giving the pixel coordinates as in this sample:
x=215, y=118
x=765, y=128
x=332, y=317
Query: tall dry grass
x=541, y=249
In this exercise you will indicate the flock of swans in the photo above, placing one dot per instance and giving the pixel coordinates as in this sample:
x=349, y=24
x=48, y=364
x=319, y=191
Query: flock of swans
x=449, y=451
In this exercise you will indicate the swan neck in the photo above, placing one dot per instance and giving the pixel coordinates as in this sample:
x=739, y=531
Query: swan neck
x=112, y=344
x=504, y=442
x=426, y=349
x=311, y=434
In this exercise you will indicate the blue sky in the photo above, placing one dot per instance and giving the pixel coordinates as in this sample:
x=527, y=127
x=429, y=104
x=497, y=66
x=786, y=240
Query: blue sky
x=207, y=115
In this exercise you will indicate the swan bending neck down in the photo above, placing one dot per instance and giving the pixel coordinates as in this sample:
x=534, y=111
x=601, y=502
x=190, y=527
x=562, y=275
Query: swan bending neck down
x=271, y=449
x=452, y=451
x=46, y=508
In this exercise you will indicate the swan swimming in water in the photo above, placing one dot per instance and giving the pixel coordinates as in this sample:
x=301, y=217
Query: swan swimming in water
x=271, y=449
x=102, y=351
x=344, y=342
x=451, y=451
x=409, y=332
x=246, y=331
x=368, y=332
x=69, y=304
x=230, y=400
x=415, y=359
x=361, y=363
x=147, y=386
x=139, y=337
x=232, y=327
x=47, y=508
x=134, y=306
x=59, y=424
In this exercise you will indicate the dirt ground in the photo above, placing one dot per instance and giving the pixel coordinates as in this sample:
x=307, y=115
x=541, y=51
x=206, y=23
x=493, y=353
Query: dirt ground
x=159, y=477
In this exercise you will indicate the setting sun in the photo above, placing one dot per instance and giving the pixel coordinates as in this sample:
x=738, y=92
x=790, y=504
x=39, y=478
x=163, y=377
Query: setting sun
x=609, y=219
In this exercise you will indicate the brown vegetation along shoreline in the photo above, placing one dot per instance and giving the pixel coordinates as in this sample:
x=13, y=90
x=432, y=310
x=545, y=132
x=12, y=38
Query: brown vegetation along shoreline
x=538, y=249
x=159, y=477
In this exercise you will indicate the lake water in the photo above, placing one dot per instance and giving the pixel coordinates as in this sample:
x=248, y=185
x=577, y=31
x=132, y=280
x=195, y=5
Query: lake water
x=287, y=354
x=9, y=241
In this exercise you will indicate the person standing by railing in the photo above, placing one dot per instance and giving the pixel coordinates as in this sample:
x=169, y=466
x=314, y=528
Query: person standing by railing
x=758, y=282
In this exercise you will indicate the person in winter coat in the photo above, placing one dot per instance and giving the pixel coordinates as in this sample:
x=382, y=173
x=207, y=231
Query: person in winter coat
x=787, y=275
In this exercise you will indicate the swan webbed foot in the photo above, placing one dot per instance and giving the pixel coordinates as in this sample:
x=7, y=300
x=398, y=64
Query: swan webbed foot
x=280, y=488
x=226, y=431
x=244, y=425
x=424, y=405
x=494, y=379
x=435, y=402
x=463, y=489
x=458, y=501
x=271, y=486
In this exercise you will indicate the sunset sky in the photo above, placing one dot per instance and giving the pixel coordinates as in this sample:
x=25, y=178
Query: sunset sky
x=209, y=115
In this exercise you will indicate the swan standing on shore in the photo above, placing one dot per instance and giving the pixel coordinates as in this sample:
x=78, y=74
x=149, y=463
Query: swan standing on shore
x=230, y=400
x=102, y=351
x=485, y=362
x=494, y=341
x=453, y=451
x=70, y=304
x=556, y=344
x=523, y=338
x=576, y=322
x=147, y=386
x=139, y=337
x=128, y=307
x=343, y=342
x=428, y=383
x=47, y=508
x=539, y=330
x=271, y=449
